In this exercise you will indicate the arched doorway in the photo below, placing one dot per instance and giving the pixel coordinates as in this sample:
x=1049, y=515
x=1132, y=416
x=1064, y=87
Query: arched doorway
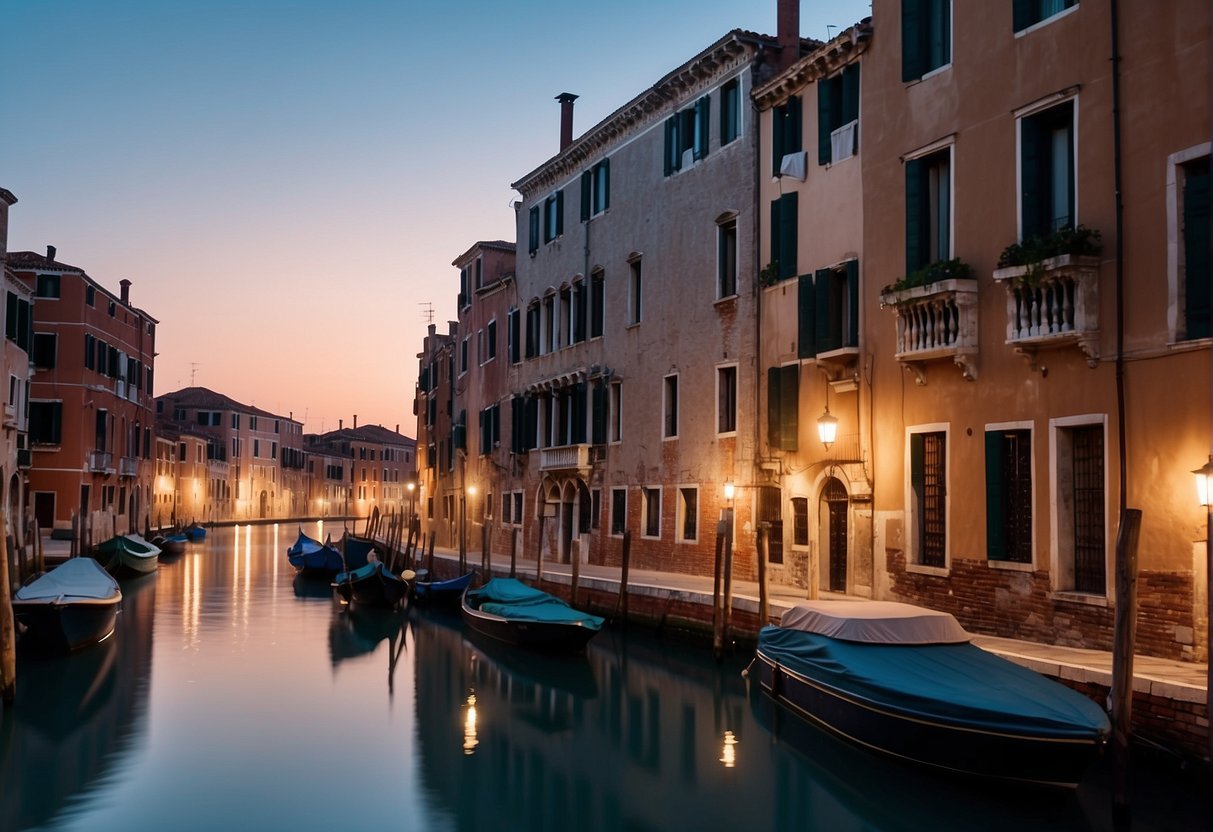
x=265, y=504
x=833, y=519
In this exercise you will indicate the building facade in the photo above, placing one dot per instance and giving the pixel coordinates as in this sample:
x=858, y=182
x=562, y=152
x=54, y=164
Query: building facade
x=376, y=467
x=15, y=459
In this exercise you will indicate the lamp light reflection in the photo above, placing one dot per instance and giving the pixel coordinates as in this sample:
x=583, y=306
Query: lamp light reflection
x=469, y=727
x=728, y=754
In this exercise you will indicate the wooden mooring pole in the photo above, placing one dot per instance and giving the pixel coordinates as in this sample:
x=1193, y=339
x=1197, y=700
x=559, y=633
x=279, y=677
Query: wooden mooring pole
x=764, y=609
x=717, y=574
x=1124, y=638
x=8, y=628
x=623, y=575
x=514, y=553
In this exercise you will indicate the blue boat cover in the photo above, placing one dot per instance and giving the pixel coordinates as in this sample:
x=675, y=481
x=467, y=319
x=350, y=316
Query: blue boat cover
x=510, y=598
x=74, y=579
x=958, y=684
x=364, y=572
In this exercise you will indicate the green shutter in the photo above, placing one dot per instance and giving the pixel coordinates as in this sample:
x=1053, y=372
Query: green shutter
x=787, y=235
x=703, y=125
x=598, y=414
x=774, y=254
x=1034, y=180
x=773, y=412
x=918, y=225
x=852, y=339
x=825, y=120
x=534, y=238
x=587, y=184
x=828, y=326
x=850, y=94
x=579, y=403
x=779, y=117
x=917, y=467
x=10, y=320
x=795, y=124
x=1023, y=14
x=789, y=407
x=806, y=318
x=1196, y=249
x=913, y=46
x=559, y=212
x=605, y=164
x=673, y=146
x=996, y=543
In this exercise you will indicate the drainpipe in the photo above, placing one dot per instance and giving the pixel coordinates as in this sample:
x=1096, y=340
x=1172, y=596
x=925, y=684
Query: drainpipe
x=756, y=247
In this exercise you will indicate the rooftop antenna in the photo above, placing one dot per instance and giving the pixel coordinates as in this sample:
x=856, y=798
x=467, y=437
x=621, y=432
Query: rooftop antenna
x=193, y=371
x=829, y=36
x=427, y=312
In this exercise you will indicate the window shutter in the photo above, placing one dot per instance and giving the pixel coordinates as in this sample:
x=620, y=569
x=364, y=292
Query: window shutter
x=825, y=120
x=559, y=212
x=534, y=236
x=1023, y=14
x=531, y=424
x=773, y=412
x=775, y=226
x=913, y=46
x=598, y=414
x=1033, y=163
x=587, y=184
x=789, y=406
x=918, y=226
x=57, y=422
x=596, y=304
x=579, y=297
x=795, y=141
x=806, y=318
x=779, y=117
x=605, y=164
x=829, y=334
x=496, y=415
x=917, y=489
x=673, y=159
x=1196, y=249
x=852, y=339
x=703, y=124
x=996, y=544
x=579, y=414
x=787, y=235
x=10, y=320
x=850, y=94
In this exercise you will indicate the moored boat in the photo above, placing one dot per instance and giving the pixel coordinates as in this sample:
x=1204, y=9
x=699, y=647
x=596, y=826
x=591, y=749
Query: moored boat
x=313, y=558
x=72, y=606
x=171, y=544
x=905, y=681
x=509, y=610
x=373, y=585
x=356, y=550
x=440, y=592
x=128, y=554
x=195, y=533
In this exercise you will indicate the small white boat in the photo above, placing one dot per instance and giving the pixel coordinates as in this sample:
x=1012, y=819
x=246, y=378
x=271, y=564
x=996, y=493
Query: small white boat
x=72, y=606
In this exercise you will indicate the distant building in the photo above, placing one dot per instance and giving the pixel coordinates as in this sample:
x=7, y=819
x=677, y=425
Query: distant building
x=90, y=416
x=381, y=464
x=437, y=485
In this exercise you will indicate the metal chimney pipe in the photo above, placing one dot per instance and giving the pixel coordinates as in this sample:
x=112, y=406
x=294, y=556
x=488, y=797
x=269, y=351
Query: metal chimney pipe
x=566, y=100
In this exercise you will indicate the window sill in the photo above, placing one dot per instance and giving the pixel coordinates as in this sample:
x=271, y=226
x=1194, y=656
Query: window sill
x=633, y=325
x=920, y=569
x=727, y=300
x=650, y=537
x=1010, y=566
x=1084, y=598
x=1040, y=24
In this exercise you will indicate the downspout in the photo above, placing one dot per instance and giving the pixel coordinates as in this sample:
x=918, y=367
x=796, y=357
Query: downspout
x=1120, y=269
x=757, y=292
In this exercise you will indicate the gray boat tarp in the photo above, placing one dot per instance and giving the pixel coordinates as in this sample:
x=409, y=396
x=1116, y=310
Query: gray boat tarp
x=75, y=578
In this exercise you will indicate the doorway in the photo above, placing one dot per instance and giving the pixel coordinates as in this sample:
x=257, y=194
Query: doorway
x=834, y=532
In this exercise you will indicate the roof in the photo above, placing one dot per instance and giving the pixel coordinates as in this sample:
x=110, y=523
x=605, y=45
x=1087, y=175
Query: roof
x=27, y=260
x=497, y=245
x=823, y=61
x=374, y=434
x=7, y=196
x=203, y=397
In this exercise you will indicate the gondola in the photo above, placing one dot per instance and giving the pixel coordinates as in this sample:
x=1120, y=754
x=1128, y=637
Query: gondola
x=313, y=558
x=72, y=606
x=508, y=610
x=446, y=592
x=373, y=585
x=128, y=554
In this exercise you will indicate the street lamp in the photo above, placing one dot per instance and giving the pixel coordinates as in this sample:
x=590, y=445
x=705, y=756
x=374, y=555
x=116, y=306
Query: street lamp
x=1204, y=493
x=827, y=428
x=412, y=487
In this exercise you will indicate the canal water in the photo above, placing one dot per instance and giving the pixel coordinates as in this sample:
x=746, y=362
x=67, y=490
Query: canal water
x=233, y=697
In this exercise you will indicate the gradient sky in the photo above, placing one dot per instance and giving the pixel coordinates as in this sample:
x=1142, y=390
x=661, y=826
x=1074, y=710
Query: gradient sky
x=286, y=182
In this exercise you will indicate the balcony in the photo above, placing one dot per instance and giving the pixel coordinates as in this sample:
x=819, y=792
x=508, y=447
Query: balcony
x=934, y=322
x=101, y=462
x=128, y=466
x=565, y=458
x=1054, y=303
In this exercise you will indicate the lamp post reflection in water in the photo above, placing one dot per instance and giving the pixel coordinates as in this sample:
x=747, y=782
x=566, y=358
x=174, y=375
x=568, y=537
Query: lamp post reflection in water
x=728, y=754
x=469, y=726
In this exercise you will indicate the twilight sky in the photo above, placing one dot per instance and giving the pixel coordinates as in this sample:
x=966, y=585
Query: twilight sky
x=286, y=182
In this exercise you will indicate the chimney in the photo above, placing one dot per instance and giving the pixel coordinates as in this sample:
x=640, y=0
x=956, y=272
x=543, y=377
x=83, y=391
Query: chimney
x=397, y=427
x=789, y=32
x=355, y=421
x=50, y=253
x=341, y=424
x=566, y=100
x=126, y=291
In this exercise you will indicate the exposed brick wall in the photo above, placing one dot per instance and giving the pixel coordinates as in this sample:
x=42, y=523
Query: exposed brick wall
x=1018, y=605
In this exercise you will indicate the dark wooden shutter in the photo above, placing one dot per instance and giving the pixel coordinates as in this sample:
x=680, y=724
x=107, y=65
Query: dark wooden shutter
x=852, y=339
x=829, y=328
x=598, y=414
x=1023, y=14
x=806, y=318
x=918, y=225
x=596, y=305
x=703, y=125
x=774, y=378
x=587, y=185
x=779, y=116
x=918, y=487
x=996, y=543
x=531, y=424
x=605, y=165
x=10, y=319
x=826, y=114
x=579, y=415
x=673, y=155
x=534, y=221
x=850, y=102
x=515, y=336
x=1196, y=249
x=1034, y=169
x=789, y=407
x=913, y=42
x=787, y=235
x=579, y=299
x=775, y=228
x=559, y=212
x=795, y=122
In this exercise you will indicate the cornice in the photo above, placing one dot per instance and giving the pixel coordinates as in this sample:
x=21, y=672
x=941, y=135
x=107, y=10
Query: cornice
x=818, y=64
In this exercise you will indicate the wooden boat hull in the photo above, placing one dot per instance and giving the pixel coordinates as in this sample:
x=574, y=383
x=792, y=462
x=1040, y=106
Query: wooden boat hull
x=370, y=587
x=924, y=738
x=128, y=555
x=536, y=635
x=68, y=626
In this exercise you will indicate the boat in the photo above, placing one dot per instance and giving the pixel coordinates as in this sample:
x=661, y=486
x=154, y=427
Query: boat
x=313, y=558
x=508, y=610
x=128, y=554
x=356, y=550
x=446, y=592
x=72, y=606
x=906, y=681
x=195, y=533
x=171, y=544
x=373, y=585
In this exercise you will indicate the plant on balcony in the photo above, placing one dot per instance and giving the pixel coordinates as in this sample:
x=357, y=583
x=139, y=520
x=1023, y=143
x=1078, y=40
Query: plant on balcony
x=769, y=274
x=1077, y=241
x=954, y=269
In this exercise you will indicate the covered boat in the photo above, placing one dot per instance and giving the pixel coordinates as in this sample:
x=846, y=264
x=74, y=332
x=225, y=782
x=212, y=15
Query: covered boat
x=373, y=585
x=72, y=606
x=511, y=611
x=313, y=558
x=195, y=533
x=356, y=550
x=128, y=554
x=906, y=681
x=171, y=544
x=440, y=592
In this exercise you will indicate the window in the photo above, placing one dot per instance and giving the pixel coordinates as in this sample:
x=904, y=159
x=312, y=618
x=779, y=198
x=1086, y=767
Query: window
x=770, y=514
x=688, y=514
x=726, y=399
x=926, y=37
x=596, y=190
x=1009, y=495
x=616, y=411
x=838, y=116
x=507, y=508
x=670, y=407
x=1192, y=269
x=635, y=287
x=928, y=210
x=47, y=286
x=1080, y=497
x=479, y=272
x=1030, y=12
x=786, y=132
x=517, y=508
x=800, y=521
x=19, y=321
x=619, y=510
x=783, y=235
x=236, y=421
x=597, y=303
x=552, y=341
x=783, y=405
x=578, y=312
x=465, y=297
x=463, y=355
x=533, y=217
x=828, y=310
x=730, y=111
x=491, y=340
x=651, y=511
x=45, y=348
x=533, y=328
x=490, y=429
x=928, y=486
x=513, y=323
x=553, y=216
x=45, y=423
x=686, y=132
x=90, y=295
x=1046, y=171
x=726, y=257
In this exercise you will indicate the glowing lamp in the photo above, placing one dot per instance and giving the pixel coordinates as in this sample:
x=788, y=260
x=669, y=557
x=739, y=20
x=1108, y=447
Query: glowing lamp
x=1204, y=481
x=827, y=428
